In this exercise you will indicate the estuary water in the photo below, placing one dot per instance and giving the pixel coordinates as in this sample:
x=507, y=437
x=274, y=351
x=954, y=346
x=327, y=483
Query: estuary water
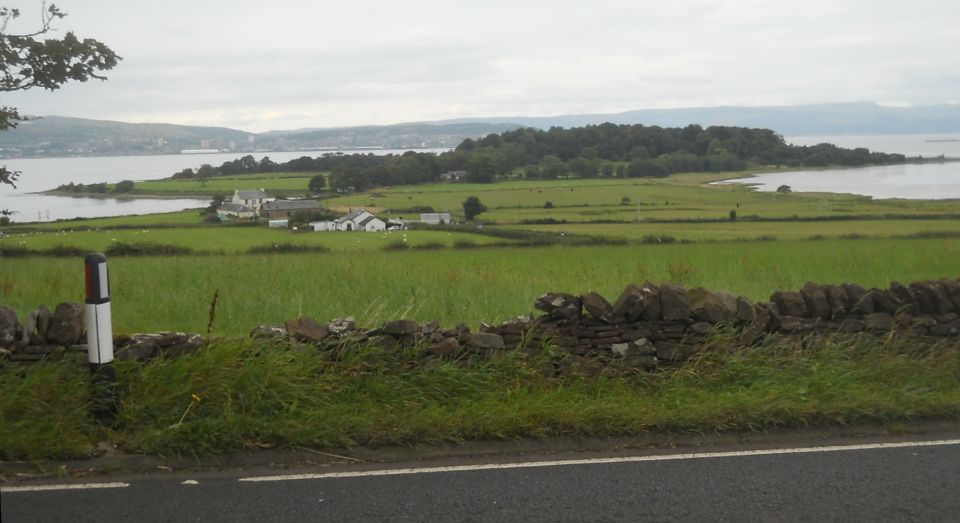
x=926, y=181
x=917, y=181
x=42, y=174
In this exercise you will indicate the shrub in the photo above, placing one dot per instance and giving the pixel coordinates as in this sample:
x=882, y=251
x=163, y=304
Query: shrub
x=146, y=249
x=396, y=245
x=286, y=248
x=429, y=246
x=653, y=238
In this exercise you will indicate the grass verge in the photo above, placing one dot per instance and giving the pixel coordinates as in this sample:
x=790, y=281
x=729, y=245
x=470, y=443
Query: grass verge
x=237, y=396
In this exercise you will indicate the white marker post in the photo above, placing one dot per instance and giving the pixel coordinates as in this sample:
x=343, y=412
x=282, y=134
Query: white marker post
x=106, y=394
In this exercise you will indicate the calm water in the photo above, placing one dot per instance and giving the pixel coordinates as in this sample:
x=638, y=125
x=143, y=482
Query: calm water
x=930, y=181
x=926, y=145
x=41, y=174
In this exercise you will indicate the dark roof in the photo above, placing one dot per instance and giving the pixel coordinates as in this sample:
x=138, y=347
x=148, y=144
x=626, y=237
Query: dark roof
x=366, y=220
x=290, y=205
x=352, y=215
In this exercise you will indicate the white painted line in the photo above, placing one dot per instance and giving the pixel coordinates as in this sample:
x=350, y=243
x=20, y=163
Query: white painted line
x=598, y=461
x=190, y=482
x=63, y=486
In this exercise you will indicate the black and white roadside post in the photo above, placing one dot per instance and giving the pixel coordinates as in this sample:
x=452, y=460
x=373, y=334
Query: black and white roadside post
x=106, y=393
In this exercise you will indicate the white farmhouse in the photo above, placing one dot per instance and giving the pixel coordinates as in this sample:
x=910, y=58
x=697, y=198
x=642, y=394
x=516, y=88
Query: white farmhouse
x=236, y=210
x=360, y=220
x=253, y=199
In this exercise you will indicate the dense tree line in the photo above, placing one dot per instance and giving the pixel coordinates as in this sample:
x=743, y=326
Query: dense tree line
x=606, y=150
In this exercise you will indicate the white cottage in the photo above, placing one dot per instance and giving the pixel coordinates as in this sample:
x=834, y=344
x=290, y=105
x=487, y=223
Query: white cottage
x=360, y=220
x=235, y=210
x=253, y=199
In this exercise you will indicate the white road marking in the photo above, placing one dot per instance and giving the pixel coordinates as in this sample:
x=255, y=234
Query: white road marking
x=63, y=486
x=190, y=482
x=597, y=461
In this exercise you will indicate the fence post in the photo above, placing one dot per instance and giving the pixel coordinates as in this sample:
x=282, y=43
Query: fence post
x=106, y=393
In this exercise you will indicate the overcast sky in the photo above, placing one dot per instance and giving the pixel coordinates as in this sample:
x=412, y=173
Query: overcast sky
x=283, y=64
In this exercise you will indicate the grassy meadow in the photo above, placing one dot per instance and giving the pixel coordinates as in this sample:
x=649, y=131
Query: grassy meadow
x=453, y=285
x=433, y=274
x=754, y=230
x=278, y=183
x=236, y=240
x=236, y=396
x=677, y=197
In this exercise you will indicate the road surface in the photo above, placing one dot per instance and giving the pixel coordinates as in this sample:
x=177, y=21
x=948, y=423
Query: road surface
x=885, y=481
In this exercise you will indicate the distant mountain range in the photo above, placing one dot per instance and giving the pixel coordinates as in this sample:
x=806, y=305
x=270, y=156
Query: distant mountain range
x=794, y=120
x=62, y=136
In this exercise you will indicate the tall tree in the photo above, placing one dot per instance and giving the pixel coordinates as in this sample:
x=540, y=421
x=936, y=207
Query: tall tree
x=472, y=207
x=27, y=61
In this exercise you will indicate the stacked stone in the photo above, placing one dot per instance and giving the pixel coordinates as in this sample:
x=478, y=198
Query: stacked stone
x=43, y=334
x=929, y=308
x=146, y=347
x=50, y=335
x=393, y=335
x=647, y=324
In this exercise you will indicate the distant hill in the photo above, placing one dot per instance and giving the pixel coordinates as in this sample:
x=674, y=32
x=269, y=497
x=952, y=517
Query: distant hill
x=797, y=120
x=61, y=136
x=397, y=136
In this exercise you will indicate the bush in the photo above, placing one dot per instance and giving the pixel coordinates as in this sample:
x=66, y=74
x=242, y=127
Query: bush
x=146, y=249
x=66, y=251
x=416, y=209
x=429, y=246
x=396, y=245
x=124, y=186
x=652, y=238
x=464, y=244
x=286, y=248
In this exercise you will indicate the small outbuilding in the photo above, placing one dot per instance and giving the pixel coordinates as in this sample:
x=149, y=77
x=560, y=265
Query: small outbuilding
x=436, y=218
x=280, y=209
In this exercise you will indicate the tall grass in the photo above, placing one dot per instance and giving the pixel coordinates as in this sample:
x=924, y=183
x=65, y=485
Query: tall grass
x=452, y=285
x=238, y=396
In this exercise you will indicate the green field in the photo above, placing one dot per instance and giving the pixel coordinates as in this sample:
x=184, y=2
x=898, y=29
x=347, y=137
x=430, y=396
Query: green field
x=359, y=277
x=178, y=219
x=219, y=239
x=452, y=285
x=754, y=230
x=234, y=396
x=276, y=183
x=685, y=196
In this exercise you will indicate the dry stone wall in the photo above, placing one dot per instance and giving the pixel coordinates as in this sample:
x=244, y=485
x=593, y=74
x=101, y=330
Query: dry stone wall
x=50, y=335
x=646, y=326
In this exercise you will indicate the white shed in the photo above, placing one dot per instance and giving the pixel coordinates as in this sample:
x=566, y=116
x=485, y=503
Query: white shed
x=323, y=226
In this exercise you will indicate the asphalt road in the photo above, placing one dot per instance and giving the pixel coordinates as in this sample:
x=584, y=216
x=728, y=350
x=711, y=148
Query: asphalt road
x=860, y=483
